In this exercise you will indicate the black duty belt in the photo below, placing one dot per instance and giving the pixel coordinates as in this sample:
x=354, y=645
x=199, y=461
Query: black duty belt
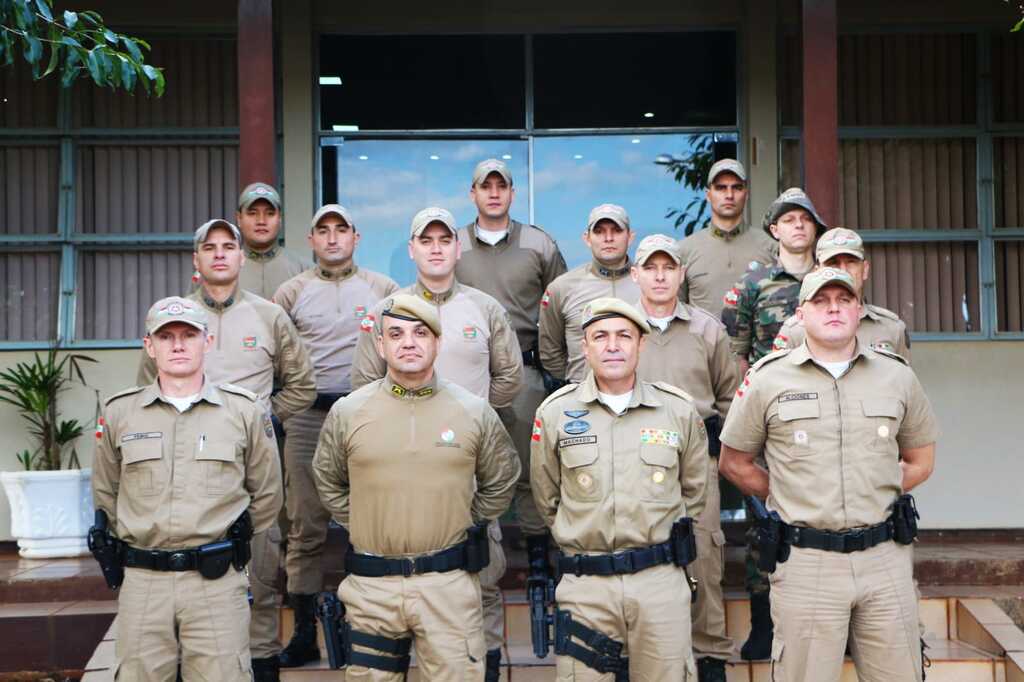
x=451, y=559
x=324, y=401
x=162, y=560
x=531, y=359
x=629, y=561
x=845, y=542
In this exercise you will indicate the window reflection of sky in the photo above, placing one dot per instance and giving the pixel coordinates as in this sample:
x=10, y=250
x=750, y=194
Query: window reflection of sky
x=385, y=182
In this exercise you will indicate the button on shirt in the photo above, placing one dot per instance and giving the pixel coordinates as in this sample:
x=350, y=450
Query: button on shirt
x=832, y=445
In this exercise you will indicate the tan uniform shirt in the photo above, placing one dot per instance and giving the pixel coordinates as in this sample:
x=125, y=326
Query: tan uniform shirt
x=173, y=480
x=515, y=271
x=561, y=311
x=328, y=310
x=716, y=259
x=479, y=350
x=605, y=482
x=254, y=343
x=832, y=445
x=879, y=328
x=263, y=273
x=692, y=354
x=407, y=472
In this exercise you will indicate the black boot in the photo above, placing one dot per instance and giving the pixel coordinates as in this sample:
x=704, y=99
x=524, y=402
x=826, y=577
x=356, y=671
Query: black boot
x=302, y=649
x=493, y=670
x=710, y=670
x=758, y=646
x=266, y=669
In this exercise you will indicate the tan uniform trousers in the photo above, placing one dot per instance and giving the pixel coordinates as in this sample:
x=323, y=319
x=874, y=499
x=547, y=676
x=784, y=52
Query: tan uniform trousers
x=307, y=516
x=440, y=610
x=708, y=612
x=491, y=598
x=525, y=407
x=648, y=611
x=264, y=635
x=817, y=597
x=158, y=612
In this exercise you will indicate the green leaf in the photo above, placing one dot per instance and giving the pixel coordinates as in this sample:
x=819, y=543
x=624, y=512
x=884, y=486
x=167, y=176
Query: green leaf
x=68, y=40
x=132, y=48
x=70, y=18
x=127, y=76
x=54, y=59
x=1018, y=26
x=110, y=36
x=44, y=9
x=33, y=49
x=93, y=62
x=92, y=17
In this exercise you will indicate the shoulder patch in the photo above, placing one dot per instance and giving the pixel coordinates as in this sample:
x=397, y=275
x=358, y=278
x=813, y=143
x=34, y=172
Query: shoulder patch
x=238, y=390
x=771, y=357
x=674, y=390
x=891, y=354
x=121, y=394
x=564, y=390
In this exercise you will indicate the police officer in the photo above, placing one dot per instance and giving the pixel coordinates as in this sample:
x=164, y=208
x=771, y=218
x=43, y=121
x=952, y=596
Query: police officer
x=514, y=263
x=845, y=429
x=183, y=462
x=618, y=467
x=688, y=348
x=754, y=311
x=407, y=463
x=268, y=265
x=843, y=249
x=608, y=235
x=327, y=303
x=254, y=345
x=717, y=256
x=480, y=354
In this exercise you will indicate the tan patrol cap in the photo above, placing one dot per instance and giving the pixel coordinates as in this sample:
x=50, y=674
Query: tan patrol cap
x=336, y=209
x=611, y=212
x=175, y=309
x=424, y=218
x=412, y=309
x=727, y=166
x=654, y=243
x=792, y=198
x=839, y=240
x=257, y=191
x=205, y=228
x=604, y=308
x=815, y=280
x=488, y=166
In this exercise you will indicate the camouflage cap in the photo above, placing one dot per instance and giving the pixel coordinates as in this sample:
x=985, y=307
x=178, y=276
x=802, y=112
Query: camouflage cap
x=815, y=280
x=204, y=230
x=654, y=243
x=256, y=191
x=412, y=309
x=727, y=166
x=427, y=216
x=488, y=166
x=611, y=212
x=839, y=240
x=336, y=209
x=792, y=198
x=175, y=309
x=604, y=308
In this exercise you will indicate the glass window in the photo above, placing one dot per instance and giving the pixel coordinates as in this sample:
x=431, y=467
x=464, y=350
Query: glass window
x=1010, y=286
x=422, y=82
x=634, y=80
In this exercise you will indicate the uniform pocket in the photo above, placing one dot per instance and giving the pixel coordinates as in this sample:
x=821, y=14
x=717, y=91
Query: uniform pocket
x=660, y=472
x=777, y=646
x=219, y=466
x=580, y=480
x=797, y=425
x=142, y=462
x=882, y=416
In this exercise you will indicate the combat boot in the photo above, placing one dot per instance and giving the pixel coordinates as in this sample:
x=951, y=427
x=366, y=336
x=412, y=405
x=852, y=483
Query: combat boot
x=758, y=646
x=493, y=670
x=302, y=648
x=266, y=669
x=710, y=670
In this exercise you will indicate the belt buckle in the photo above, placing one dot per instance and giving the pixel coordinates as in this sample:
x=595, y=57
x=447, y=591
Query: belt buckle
x=177, y=561
x=623, y=562
x=409, y=567
x=855, y=541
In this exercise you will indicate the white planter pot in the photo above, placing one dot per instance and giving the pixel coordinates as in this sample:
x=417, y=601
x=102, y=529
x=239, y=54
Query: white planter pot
x=51, y=511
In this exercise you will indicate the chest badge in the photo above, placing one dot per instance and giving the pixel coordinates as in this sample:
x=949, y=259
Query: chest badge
x=469, y=332
x=448, y=436
x=660, y=437
x=576, y=414
x=360, y=312
x=248, y=342
x=576, y=427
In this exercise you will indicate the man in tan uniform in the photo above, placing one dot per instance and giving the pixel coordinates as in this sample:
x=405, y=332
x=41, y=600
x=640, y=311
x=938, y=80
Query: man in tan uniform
x=717, y=256
x=608, y=235
x=846, y=430
x=254, y=345
x=843, y=249
x=268, y=265
x=688, y=348
x=328, y=303
x=180, y=463
x=619, y=467
x=407, y=463
x=480, y=354
x=514, y=263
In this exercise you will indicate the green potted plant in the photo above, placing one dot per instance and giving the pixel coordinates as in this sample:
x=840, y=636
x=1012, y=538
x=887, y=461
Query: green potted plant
x=51, y=500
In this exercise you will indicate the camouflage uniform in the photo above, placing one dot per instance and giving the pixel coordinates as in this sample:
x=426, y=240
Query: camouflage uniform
x=757, y=306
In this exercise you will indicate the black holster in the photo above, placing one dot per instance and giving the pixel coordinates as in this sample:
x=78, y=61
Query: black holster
x=331, y=613
x=240, y=535
x=771, y=546
x=339, y=638
x=904, y=519
x=684, y=542
x=713, y=426
x=551, y=382
x=215, y=558
x=107, y=549
x=478, y=549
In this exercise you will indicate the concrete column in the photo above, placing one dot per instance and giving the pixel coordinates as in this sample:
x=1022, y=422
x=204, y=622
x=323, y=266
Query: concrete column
x=256, y=92
x=298, y=74
x=759, y=65
x=820, y=147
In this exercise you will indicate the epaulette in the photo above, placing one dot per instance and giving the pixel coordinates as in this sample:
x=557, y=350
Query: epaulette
x=121, y=394
x=674, y=390
x=564, y=390
x=771, y=357
x=238, y=390
x=892, y=354
x=883, y=312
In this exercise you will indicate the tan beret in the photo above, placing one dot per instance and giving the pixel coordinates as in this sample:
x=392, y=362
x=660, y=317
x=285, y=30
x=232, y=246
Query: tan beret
x=815, y=280
x=604, y=308
x=412, y=309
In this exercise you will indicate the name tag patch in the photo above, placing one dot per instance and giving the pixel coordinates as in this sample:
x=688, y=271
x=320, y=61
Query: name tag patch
x=798, y=396
x=129, y=437
x=578, y=440
x=659, y=437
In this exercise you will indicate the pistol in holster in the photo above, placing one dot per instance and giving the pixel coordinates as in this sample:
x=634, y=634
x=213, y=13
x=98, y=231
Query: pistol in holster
x=713, y=427
x=551, y=382
x=478, y=548
x=773, y=549
x=904, y=519
x=331, y=613
x=107, y=549
x=684, y=542
x=216, y=557
x=540, y=591
x=240, y=535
